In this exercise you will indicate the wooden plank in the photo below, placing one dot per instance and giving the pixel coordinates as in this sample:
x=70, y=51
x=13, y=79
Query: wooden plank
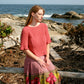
x=72, y=74
x=62, y=73
x=11, y=70
x=54, y=54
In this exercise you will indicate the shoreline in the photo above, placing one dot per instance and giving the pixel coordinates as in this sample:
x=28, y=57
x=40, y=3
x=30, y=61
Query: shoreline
x=74, y=22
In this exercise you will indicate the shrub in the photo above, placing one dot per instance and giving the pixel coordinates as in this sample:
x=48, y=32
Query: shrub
x=5, y=31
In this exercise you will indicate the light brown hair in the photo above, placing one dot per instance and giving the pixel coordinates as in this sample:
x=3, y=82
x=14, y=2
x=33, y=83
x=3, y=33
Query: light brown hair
x=34, y=9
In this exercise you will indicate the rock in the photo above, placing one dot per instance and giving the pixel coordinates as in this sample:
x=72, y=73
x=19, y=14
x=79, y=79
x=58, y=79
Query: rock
x=56, y=16
x=8, y=43
x=59, y=28
x=73, y=14
x=55, y=26
x=59, y=23
x=60, y=39
x=81, y=14
x=69, y=15
x=8, y=16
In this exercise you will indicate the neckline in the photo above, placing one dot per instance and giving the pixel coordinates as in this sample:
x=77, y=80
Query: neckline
x=34, y=26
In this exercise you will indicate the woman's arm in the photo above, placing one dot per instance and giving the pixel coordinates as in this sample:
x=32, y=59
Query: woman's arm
x=47, y=56
x=47, y=51
x=30, y=54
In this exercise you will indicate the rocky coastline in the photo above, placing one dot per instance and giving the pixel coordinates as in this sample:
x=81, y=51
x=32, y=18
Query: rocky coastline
x=13, y=57
x=18, y=23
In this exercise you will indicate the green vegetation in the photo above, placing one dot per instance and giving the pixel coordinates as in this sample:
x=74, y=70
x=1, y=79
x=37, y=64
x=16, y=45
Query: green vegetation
x=5, y=31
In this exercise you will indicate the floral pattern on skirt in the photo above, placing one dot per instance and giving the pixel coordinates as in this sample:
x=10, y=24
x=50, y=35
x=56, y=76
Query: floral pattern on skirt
x=34, y=74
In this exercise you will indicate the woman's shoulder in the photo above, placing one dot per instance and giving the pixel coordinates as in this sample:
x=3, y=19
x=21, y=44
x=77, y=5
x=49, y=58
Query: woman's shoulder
x=26, y=28
x=44, y=24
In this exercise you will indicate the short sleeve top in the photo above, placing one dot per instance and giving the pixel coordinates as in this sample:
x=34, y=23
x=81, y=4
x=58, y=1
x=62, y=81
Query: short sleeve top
x=35, y=39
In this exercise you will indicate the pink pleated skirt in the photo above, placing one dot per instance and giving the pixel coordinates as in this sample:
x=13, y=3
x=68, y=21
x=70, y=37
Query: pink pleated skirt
x=36, y=74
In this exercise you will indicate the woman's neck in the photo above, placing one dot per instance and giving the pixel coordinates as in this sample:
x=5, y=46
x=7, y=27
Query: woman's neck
x=34, y=23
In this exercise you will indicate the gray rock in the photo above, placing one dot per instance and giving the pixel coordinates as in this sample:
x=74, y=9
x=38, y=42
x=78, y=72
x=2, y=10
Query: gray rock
x=60, y=39
x=8, y=16
x=73, y=14
x=9, y=43
x=59, y=29
x=56, y=15
x=69, y=15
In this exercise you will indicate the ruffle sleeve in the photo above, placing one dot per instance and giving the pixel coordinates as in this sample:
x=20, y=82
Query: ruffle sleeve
x=24, y=39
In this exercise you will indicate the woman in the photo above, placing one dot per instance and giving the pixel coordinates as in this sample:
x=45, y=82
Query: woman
x=35, y=41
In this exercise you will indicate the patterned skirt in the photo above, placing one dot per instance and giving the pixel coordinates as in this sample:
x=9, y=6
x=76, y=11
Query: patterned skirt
x=35, y=74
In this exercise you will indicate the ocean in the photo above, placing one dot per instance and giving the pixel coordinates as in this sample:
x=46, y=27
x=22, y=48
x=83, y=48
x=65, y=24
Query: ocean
x=23, y=9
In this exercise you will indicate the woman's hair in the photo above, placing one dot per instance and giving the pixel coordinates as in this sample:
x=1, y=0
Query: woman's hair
x=34, y=9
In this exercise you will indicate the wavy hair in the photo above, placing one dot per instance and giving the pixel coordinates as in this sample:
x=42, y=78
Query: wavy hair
x=34, y=9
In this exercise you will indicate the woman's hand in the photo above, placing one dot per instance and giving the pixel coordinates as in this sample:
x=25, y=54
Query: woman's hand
x=47, y=60
x=41, y=62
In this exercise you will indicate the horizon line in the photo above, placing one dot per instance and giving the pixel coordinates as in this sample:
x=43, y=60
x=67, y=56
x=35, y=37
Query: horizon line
x=37, y=4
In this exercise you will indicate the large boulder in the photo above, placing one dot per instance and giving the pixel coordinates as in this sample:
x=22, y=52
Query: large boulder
x=73, y=14
x=69, y=15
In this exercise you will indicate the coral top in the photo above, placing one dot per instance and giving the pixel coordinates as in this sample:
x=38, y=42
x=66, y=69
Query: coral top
x=35, y=39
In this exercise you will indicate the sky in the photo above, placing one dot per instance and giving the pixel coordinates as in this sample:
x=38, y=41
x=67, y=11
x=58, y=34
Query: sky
x=71, y=2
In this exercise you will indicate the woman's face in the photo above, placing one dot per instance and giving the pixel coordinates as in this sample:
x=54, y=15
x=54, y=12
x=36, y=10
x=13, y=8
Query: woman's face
x=38, y=16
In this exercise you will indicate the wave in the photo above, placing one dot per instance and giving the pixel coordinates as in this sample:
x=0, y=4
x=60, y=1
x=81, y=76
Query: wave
x=47, y=16
x=25, y=15
x=21, y=15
